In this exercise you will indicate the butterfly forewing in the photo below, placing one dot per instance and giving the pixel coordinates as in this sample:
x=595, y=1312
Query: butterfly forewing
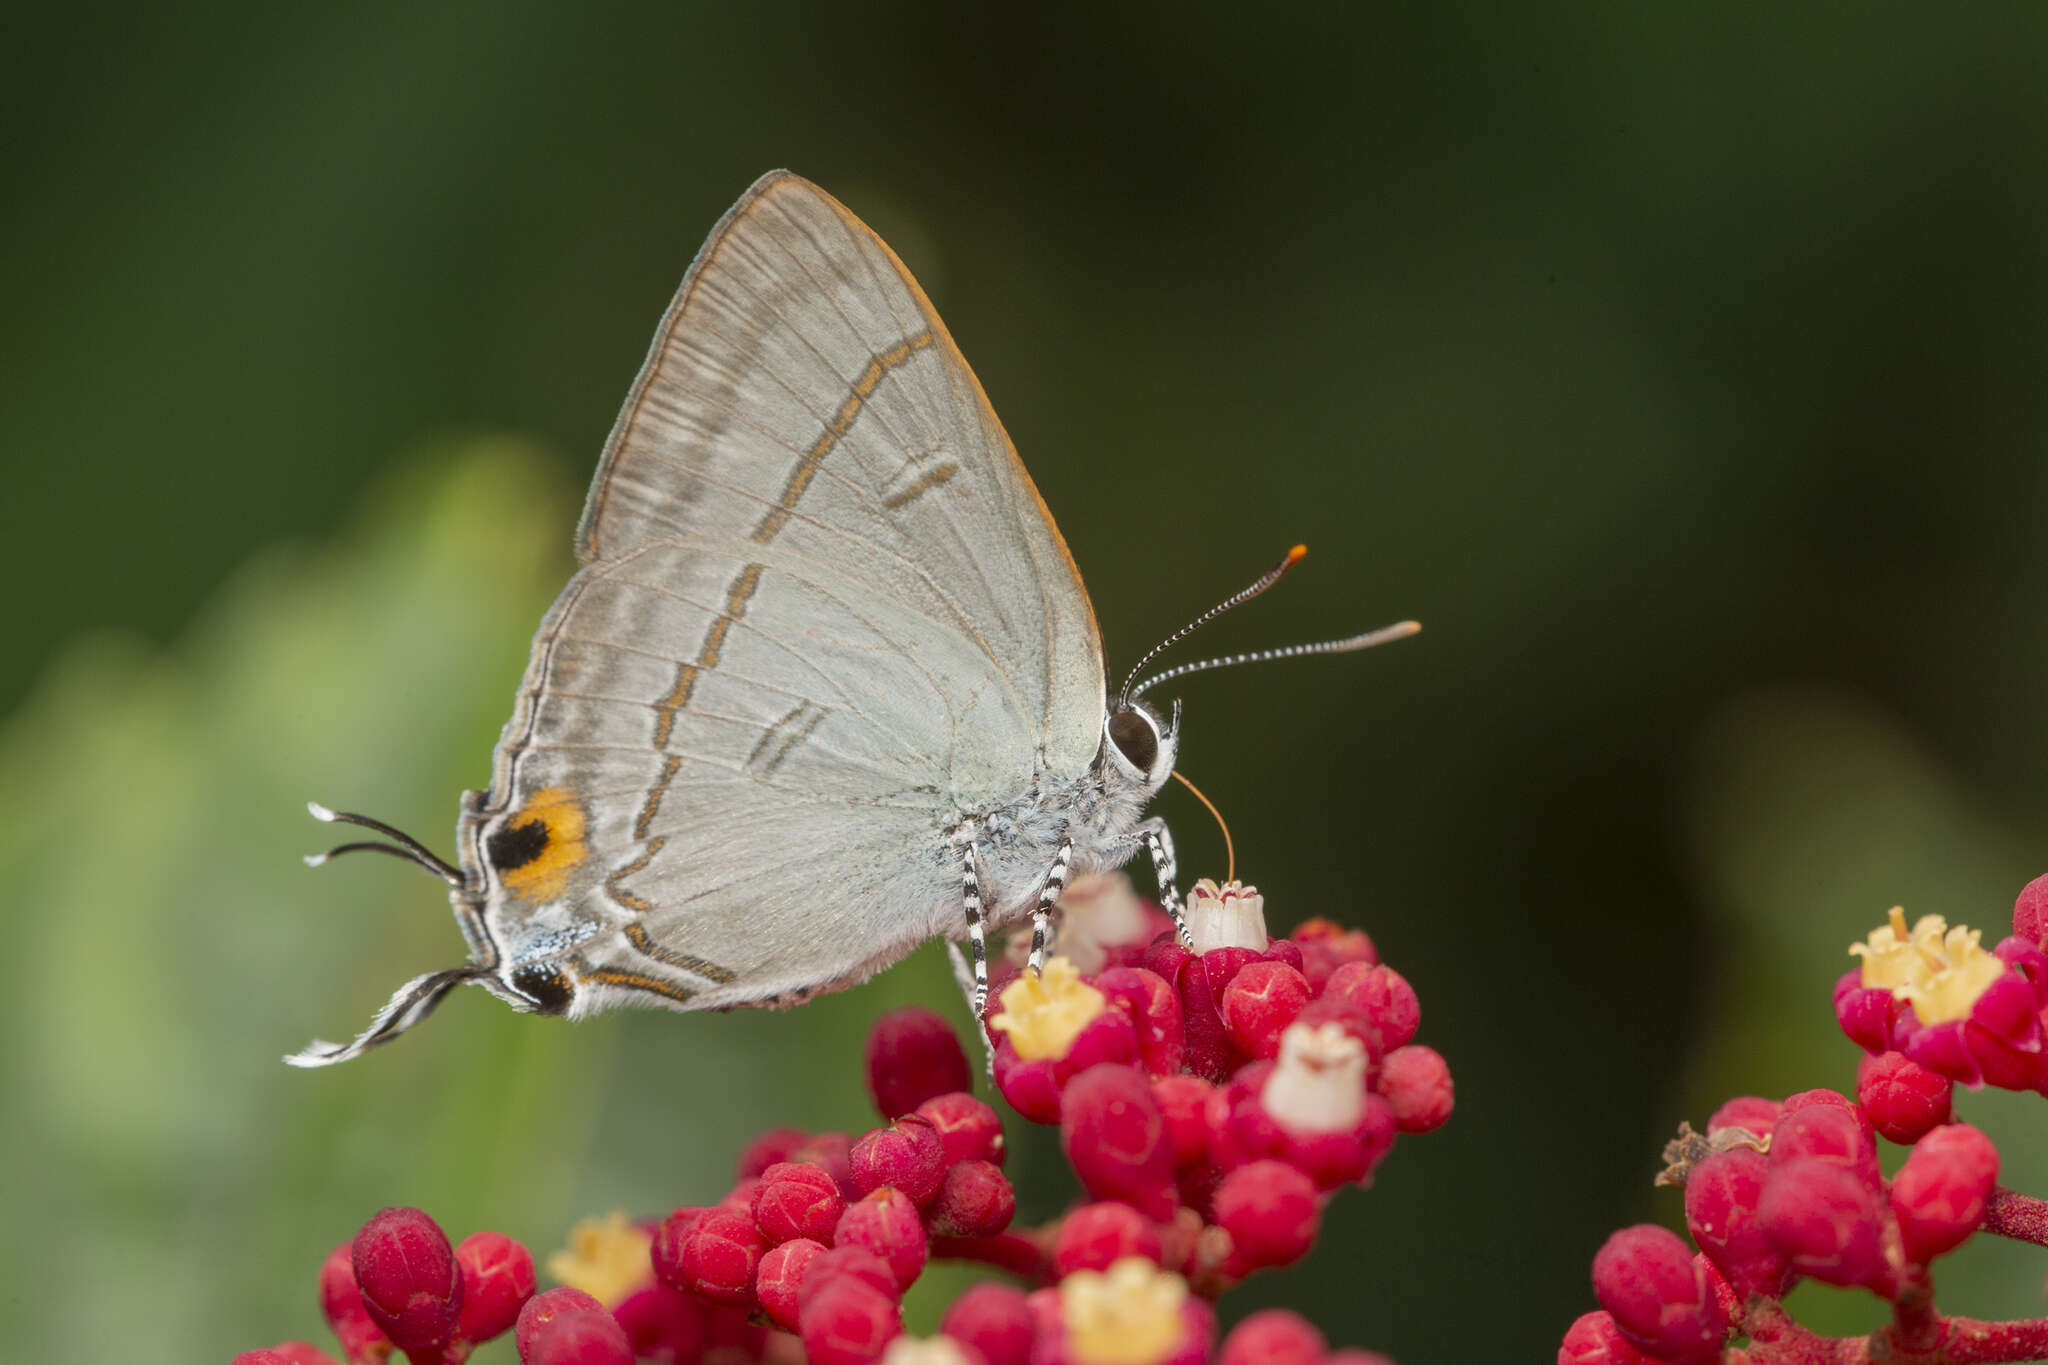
x=822, y=613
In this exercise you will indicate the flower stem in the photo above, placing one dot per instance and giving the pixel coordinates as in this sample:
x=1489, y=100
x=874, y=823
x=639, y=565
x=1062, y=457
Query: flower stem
x=2018, y=1216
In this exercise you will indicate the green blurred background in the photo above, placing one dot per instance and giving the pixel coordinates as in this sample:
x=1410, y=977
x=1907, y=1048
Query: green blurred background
x=1680, y=367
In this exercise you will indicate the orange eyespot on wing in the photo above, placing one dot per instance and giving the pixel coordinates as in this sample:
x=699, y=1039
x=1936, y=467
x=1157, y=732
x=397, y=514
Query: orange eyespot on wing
x=534, y=850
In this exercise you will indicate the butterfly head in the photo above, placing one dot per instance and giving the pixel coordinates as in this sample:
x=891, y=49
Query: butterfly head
x=1139, y=745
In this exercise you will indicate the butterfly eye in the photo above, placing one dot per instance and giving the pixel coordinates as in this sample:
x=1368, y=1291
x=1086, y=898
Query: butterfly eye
x=1135, y=737
x=547, y=988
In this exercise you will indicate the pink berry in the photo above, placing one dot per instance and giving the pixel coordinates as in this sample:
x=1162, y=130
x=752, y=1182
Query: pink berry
x=886, y=1223
x=497, y=1280
x=907, y=1155
x=1904, y=1099
x=1270, y=1211
x=912, y=1055
x=779, y=1280
x=581, y=1338
x=1261, y=1000
x=362, y=1340
x=1751, y=1112
x=994, y=1322
x=847, y=1322
x=1827, y=1218
x=408, y=1277
x=544, y=1308
x=1116, y=1140
x=719, y=1258
x=1097, y=1236
x=1721, y=1196
x=663, y=1324
x=796, y=1199
x=1595, y=1340
x=771, y=1147
x=1940, y=1194
x=968, y=1129
x=1415, y=1081
x=1646, y=1278
x=975, y=1200
x=1384, y=996
x=1273, y=1336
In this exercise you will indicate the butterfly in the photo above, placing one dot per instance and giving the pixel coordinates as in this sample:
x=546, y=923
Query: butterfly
x=826, y=683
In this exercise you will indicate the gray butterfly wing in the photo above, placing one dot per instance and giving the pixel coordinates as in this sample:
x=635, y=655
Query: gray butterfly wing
x=822, y=615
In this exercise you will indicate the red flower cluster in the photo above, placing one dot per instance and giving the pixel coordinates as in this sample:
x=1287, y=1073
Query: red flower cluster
x=1776, y=1192
x=1208, y=1103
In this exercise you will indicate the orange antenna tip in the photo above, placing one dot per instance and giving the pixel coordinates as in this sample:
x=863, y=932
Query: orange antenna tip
x=1294, y=555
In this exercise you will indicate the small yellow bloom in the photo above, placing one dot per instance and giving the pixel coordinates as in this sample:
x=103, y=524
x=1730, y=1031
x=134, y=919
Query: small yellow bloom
x=606, y=1258
x=1127, y=1315
x=1937, y=970
x=924, y=1351
x=1043, y=1015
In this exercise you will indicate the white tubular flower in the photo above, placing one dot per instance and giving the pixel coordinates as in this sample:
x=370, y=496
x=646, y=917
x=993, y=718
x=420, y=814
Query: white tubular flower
x=1229, y=916
x=1319, y=1084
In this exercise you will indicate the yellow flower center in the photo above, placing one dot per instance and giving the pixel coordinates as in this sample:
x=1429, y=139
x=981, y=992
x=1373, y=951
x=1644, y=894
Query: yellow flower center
x=606, y=1258
x=1044, y=1014
x=1939, y=971
x=1127, y=1315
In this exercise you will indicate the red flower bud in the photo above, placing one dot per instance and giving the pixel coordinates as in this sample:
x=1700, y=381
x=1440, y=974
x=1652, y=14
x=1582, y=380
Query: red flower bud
x=1153, y=1008
x=2030, y=912
x=907, y=1155
x=1181, y=1100
x=1097, y=1236
x=1415, y=1081
x=263, y=1356
x=847, y=1322
x=912, y=1055
x=580, y=1338
x=1209, y=1051
x=362, y=1340
x=1836, y=1131
x=1721, y=1197
x=1903, y=1099
x=1115, y=1138
x=770, y=1148
x=302, y=1353
x=968, y=1129
x=670, y=1237
x=410, y=1283
x=1030, y=1086
x=1273, y=1336
x=1869, y=1015
x=856, y=1261
x=797, y=1200
x=1940, y=1194
x=1661, y=1302
x=975, y=1200
x=1261, y=1000
x=779, y=1280
x=1595, y=1340
x=663, y=1324
x=886, y=1223
x=1271, y=1212
x=720, y=1255
x=1384, y=996
x=497, y=1280
x=994, y=1322
x=834, y=1153
x=1752, y=1113
x=1326, y=946
x=1827, y=1218
x=544, y=1308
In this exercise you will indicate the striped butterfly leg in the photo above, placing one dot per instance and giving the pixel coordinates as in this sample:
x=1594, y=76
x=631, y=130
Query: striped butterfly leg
x=974, y=987
x=1158, y=841
x=1049, y=893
